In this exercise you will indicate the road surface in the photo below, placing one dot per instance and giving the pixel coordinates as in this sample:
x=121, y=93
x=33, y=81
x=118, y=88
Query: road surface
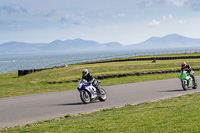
x=32, y=108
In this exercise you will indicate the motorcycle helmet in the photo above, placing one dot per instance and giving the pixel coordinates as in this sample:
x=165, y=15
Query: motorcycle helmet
x=84, y=72
x=183, y=64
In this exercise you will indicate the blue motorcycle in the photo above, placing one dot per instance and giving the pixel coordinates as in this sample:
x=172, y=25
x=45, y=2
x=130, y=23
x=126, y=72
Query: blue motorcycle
x=89, y=93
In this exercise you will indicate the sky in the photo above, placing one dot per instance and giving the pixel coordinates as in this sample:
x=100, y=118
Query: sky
x=123, y=21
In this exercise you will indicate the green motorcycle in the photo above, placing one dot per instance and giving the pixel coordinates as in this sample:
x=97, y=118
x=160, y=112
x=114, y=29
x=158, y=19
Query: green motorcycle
x=187, y=81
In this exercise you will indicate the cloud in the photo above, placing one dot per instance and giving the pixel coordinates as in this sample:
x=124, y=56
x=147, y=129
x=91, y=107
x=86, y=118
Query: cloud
x=168, y=18
x=73, y=19
x=177, y=3
x=154, y=23
x=48, y=14
x=152, y=2
x=12, y=9
x=164, y=18
x=149, y=3
x=121, y=15
x=181, y=22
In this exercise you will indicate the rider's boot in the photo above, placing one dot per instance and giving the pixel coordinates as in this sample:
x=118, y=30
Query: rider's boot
x=98, y=91
x=192, y=77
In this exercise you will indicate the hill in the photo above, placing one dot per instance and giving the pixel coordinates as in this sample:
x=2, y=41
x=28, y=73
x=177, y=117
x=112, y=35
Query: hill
x=56, y=46
x=168, y=41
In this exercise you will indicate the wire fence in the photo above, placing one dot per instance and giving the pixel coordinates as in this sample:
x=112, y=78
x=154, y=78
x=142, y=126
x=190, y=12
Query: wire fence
x=135, y=54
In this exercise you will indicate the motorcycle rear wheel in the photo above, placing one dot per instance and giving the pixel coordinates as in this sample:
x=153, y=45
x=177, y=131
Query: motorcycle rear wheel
x=85, y=99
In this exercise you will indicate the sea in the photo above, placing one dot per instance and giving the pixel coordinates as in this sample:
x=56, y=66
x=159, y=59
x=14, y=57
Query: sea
x=15, y=62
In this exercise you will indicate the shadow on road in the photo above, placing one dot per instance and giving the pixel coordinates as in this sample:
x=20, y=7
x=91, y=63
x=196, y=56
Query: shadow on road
x=171, y=90
x=78, y=103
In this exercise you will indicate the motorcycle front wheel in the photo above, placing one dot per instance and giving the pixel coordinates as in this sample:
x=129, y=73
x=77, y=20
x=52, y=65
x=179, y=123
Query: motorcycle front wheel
x=85, y=97
x=103, y=95
x=184, y=85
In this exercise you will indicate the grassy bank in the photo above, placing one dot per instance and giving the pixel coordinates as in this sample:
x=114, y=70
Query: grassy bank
x=11, y=85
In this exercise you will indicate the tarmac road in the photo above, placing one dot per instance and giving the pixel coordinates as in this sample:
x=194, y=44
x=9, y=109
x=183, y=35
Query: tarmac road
x=31, y=108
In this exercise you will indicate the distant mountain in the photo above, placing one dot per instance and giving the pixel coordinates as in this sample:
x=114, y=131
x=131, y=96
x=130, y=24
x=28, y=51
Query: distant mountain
x=21, y=47
x=55, y=46
x=76, y=44
x=169, y=41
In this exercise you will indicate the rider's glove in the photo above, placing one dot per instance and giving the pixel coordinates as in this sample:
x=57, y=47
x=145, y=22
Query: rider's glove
x=88, y=83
